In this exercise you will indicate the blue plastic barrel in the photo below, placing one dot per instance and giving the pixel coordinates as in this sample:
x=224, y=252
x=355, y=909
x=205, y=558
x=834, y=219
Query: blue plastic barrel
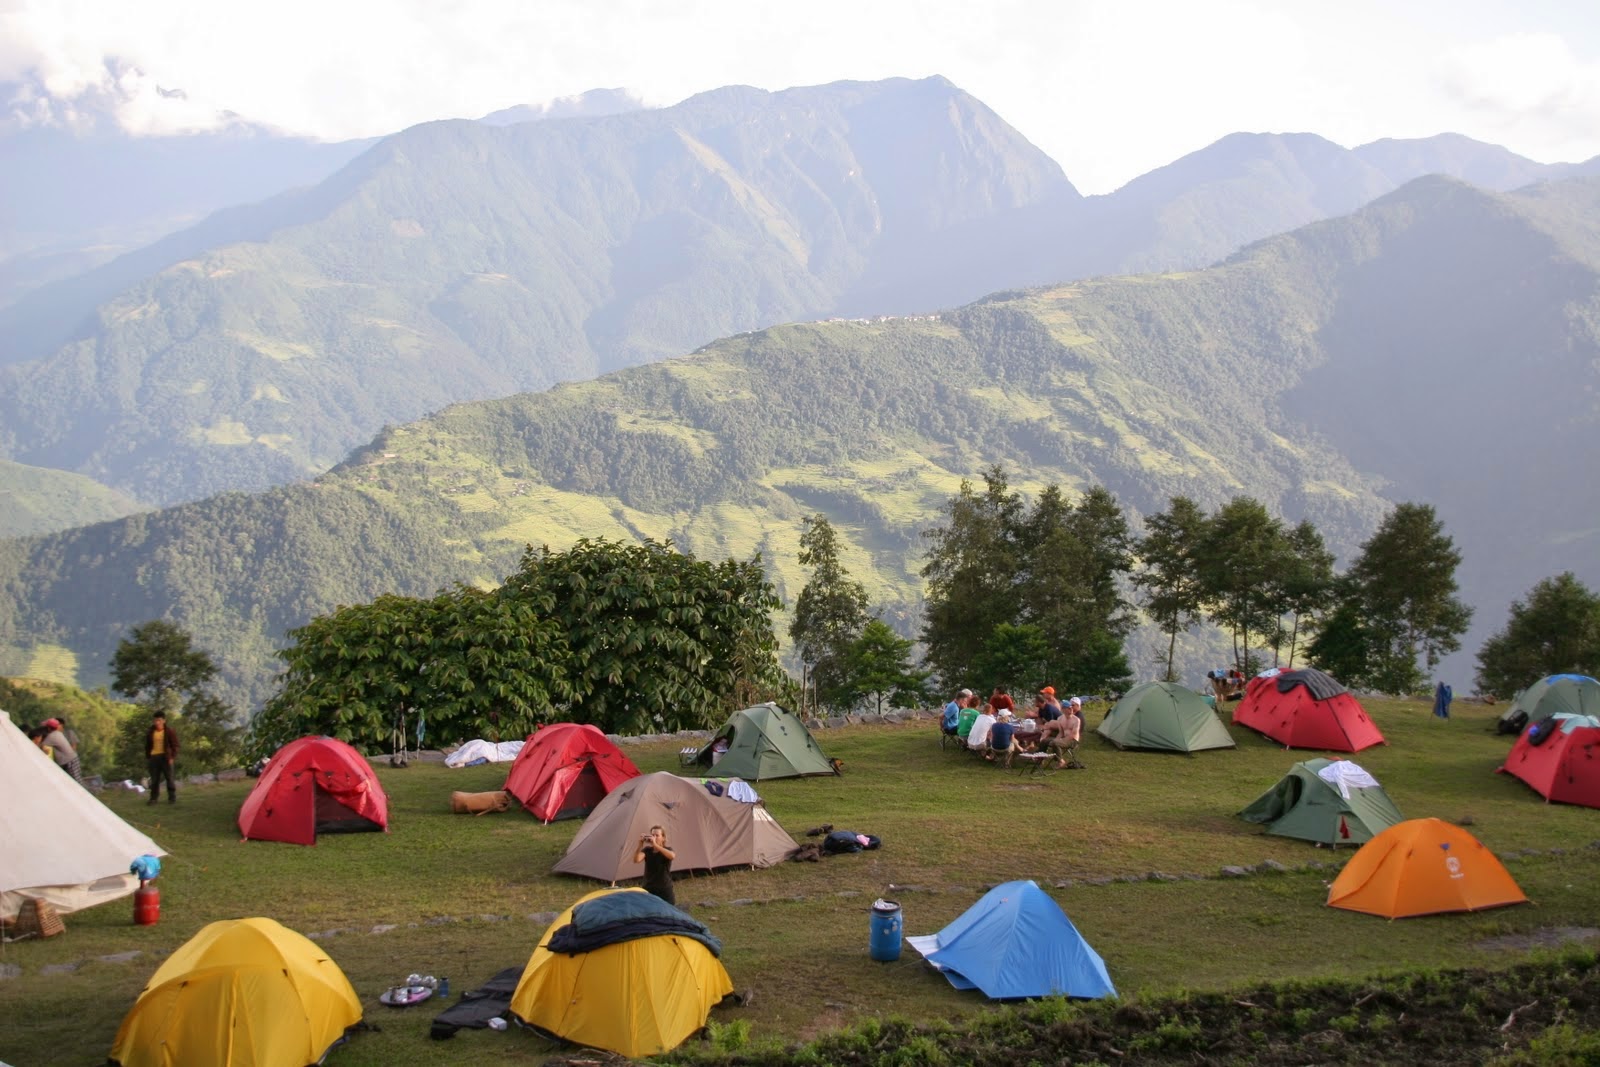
x=885, y=931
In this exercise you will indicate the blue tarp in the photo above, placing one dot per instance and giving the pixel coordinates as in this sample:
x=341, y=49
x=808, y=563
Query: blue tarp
x=1015, y=943
x=1441, y=701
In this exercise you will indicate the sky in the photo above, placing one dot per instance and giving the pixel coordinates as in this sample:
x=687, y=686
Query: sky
x=1109, y=88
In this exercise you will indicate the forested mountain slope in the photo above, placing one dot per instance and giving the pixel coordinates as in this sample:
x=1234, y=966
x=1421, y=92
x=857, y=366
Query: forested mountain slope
x=459, y=260
x=1429, y=347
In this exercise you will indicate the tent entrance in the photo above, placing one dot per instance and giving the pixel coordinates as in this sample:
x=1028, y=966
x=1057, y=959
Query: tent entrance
x=334, y=818
x=586, y=791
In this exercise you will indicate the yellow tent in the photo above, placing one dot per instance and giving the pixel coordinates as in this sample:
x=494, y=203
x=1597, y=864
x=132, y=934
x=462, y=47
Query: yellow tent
x=242, y=993
x=1423, y=867
x=635, y=998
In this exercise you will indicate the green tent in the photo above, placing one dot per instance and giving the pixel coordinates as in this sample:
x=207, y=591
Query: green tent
x=1166, y=716
x=1575, y=694
x=765, y=741
x=1332, y=802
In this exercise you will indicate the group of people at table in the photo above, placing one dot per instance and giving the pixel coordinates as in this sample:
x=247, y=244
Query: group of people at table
x=994, y=727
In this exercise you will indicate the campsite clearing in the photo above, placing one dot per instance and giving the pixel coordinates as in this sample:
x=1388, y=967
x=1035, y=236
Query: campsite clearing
x=1132, y=848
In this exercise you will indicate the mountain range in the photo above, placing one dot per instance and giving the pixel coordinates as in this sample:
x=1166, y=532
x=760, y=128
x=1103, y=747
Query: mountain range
x=1395, y=353
x=466, y=260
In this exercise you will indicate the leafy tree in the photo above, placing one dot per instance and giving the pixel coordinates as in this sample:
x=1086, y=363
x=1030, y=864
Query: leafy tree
x=1555, y=630
x=1404, y=582
x=1343, y=646
x=157, y=663
x=830, y=613
x=1174, y=598
x=1241, y=548
x=1304, y=588
x=878, y=665
x=972, y=571
x=158, y=667
x=1053, y=568
x=1015, y=656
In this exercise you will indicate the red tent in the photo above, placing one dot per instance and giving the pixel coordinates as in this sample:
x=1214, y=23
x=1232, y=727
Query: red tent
x=1558, y=758
x=316, y=785
x=1306, y=709
x=565, y=769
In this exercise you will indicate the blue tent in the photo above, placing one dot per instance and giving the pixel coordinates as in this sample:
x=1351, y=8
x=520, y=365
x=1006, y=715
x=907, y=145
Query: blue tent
x=1016, y=942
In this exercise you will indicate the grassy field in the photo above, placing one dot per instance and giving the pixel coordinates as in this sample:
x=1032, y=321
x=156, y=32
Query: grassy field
x=466, y=897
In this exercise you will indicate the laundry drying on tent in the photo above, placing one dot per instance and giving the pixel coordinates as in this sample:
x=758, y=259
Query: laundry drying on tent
x=565, y=769
x=1330, y=802
x=765, y=741
x=707, y=833
x=732, y=788
x=62, y=845
x=1558, y=756
x=624, y=971
x=1015, y=943
x=1307, y=709
x=244, y=992
x=313, y=786
x=478, y=751
x=1423, y=867
x=1164, y=716
x=1572, y=694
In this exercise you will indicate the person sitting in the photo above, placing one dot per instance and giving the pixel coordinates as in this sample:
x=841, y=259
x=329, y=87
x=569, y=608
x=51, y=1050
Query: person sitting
x=978, y=737
x=1050, y=707
x=951, y=719
x=1062, y=736
x=1003, y=737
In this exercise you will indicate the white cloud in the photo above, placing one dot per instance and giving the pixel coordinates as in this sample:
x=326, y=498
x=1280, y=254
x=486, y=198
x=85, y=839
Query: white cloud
x=1109, y=88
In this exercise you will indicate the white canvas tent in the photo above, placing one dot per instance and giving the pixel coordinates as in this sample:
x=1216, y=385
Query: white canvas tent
x=59, y=843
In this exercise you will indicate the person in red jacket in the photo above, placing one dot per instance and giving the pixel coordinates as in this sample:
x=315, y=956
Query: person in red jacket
x=161, y=752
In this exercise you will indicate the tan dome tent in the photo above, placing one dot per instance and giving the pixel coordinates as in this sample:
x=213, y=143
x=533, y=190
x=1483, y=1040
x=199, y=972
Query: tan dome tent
x=706, y=832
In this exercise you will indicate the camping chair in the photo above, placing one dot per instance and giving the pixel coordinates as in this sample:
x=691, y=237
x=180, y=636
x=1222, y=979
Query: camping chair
x=686, y=755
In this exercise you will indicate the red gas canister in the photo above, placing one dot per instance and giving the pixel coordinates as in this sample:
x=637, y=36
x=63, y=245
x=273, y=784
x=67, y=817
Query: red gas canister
x=146, y=905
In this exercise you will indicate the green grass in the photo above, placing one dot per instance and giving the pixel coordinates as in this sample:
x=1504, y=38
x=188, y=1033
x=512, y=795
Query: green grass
x=469, y=896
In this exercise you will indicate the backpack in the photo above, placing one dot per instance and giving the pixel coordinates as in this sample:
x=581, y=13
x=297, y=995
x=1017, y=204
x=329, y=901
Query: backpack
x=1512, y=722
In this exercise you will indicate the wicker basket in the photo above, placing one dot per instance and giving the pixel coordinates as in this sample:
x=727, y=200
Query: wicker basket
x=39, y=917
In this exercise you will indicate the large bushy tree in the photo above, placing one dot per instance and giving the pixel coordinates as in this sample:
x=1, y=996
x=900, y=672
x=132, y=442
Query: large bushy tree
x=628, y=637
x=1241, y=550
x=829, y=615
x=1554, y=630
x=972, y=571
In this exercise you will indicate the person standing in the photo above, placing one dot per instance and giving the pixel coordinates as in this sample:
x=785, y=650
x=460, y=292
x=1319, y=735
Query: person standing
x=657, y=858
x=62, y=750
x=161, y=752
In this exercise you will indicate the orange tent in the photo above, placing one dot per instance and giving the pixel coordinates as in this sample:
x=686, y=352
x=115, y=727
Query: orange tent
x=1423, y=867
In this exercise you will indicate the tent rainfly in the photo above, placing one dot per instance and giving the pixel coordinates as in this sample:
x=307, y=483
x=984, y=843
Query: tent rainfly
x=636, y=979
x=1306, y=709
x=565, y=769
x=1559, y=758
x=706, y=833
x=60, y=844
x=1572, y=694
x=766, y=741
x=1164, y=716
x=1423, y=867
x=240, y=993
x=316, y=785
x=1015, y=943
x=1330, y=802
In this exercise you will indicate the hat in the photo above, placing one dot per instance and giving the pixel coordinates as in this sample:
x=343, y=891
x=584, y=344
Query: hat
x=52, y=724
x=1077, y=702
x=1048, y=691
x=1003, y=713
